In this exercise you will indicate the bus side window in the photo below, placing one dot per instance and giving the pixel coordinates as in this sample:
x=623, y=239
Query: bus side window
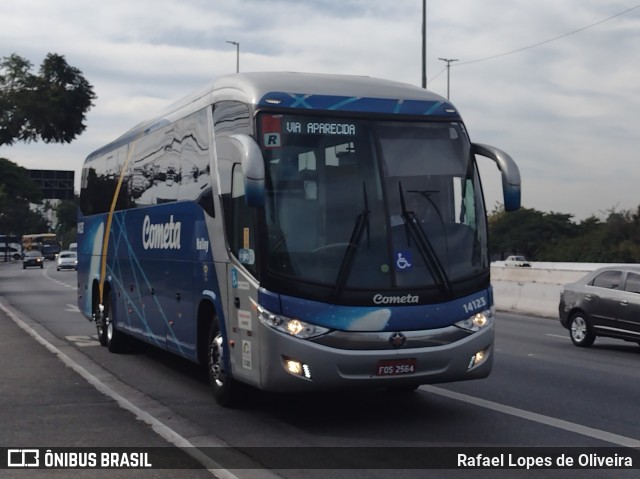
x=241, y=226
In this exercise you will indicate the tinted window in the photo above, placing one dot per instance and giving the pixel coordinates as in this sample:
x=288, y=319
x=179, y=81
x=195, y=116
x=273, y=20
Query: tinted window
x=608, y=280
x=231, y=117
x=241, y=227
x=633, y=283
x=170, y=163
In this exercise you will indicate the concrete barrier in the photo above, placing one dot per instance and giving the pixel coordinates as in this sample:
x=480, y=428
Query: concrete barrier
x=535, y=290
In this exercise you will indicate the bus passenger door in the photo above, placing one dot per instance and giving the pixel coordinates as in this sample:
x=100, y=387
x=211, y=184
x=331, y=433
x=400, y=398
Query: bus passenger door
x=243, y=327
x=242, y=286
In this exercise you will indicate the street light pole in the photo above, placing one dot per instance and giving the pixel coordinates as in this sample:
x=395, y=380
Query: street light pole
x=449, y=61
x=237, y=55
x=424, y=44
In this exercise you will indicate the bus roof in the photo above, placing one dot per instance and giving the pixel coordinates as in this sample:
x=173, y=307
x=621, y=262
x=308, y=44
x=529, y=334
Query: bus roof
x=303, y=91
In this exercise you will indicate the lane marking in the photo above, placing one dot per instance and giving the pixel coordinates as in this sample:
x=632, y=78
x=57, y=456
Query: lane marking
x=45, y=273
x=83, y=341
x=535, y=417
x=558, y=336
x=73, y=308
x=158, y=426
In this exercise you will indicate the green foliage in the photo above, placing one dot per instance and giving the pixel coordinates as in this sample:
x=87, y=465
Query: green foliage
x=16, y=183
x=17, y=191
x=50, y=106
x=554, y=237
x=67, y=215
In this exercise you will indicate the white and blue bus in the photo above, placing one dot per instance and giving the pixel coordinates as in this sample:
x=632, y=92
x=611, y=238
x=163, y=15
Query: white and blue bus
x=296, y=232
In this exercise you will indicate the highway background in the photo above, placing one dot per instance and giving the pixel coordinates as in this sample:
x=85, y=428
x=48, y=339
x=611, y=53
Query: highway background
x=60, y=388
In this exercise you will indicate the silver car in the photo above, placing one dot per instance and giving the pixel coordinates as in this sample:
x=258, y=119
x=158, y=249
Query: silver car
x=605, y=302
x=67, y=260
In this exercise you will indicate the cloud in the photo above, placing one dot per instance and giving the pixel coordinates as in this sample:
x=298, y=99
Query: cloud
x=565, y=110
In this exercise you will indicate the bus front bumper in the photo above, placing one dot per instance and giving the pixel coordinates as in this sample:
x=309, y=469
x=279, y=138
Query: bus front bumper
x=369, y=359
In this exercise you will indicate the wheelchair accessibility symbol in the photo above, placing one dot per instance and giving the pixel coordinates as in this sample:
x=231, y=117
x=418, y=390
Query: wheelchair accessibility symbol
x=403, y=259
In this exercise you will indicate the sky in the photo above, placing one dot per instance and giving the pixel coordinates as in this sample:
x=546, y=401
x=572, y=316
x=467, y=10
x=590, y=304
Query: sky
x=548, y=81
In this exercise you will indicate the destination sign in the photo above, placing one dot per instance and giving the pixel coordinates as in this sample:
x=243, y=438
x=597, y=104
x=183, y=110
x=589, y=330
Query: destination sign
x=320, y=128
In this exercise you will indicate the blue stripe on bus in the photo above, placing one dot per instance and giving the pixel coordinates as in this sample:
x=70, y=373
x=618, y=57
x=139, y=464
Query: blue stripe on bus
x=145, y=279
x=359, y=104
x=383, y=317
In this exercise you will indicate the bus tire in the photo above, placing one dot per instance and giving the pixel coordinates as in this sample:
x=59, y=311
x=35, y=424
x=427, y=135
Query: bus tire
x=116, y=341
x=101, y=324
x=223, y=387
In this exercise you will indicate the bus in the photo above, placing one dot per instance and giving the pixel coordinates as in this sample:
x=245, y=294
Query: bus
x=295, y=232
x=46, y=243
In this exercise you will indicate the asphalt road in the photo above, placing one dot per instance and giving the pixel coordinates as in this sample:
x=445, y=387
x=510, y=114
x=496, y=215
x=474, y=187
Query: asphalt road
x=60, y=388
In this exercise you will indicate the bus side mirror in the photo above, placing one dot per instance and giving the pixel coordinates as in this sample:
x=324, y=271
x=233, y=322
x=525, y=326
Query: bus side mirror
x=252, y=168
x=509, y=170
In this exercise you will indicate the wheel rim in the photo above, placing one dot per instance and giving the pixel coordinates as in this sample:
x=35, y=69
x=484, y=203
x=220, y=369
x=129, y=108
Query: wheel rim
x=216, y=361
x=579, y=329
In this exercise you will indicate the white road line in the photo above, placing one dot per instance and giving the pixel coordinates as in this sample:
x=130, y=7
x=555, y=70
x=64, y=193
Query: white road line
x=45, y=273
x=72, y=308
x=558, y=336
x=535, y=417
x=161, y=429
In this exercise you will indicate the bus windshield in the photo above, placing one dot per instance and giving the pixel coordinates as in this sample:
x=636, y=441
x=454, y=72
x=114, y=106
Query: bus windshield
x=371, y=204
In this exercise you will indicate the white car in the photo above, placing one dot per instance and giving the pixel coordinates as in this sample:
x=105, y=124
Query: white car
x=516, y=262
x=67, y=260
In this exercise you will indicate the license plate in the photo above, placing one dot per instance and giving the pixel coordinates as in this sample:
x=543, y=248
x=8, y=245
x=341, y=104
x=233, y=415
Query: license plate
x=395, y=367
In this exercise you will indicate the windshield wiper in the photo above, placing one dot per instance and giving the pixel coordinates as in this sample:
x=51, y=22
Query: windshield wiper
x=424, y=245
x=362, y=224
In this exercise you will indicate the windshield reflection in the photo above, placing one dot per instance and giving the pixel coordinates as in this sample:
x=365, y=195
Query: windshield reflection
x=334, y=209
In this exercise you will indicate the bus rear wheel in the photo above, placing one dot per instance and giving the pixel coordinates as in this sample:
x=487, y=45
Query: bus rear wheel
x=223, y=387
x=108, y=335
x=100, y=315
x=117, y=341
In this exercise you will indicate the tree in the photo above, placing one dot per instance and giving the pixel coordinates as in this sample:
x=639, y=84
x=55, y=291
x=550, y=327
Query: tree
x=17, y=191
x=528, y=231
x=554, y=237
x=67, y=215
x=51, y=106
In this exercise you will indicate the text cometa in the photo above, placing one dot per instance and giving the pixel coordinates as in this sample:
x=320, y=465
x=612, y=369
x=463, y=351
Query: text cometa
x=161, y=235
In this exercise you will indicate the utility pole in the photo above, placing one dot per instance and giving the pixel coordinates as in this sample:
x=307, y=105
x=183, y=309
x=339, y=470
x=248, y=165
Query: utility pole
x=237, y=55
x=424, y=44
x=449, y=61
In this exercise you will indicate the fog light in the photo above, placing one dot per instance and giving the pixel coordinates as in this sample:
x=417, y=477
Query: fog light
x=294, y=367
x=297, y=368
x=478, y=358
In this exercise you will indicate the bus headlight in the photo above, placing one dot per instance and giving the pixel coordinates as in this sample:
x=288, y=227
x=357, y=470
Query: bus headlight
x=291, y=326
x=476, y=322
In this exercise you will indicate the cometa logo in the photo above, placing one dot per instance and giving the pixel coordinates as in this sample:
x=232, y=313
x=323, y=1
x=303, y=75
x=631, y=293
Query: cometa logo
x=160, y=235
x=406, y=299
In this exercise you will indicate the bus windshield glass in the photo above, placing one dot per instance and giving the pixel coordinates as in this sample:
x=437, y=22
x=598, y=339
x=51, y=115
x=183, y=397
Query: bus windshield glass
x=371, y=204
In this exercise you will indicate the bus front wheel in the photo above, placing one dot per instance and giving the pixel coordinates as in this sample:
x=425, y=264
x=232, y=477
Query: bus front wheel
x=223, y=387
